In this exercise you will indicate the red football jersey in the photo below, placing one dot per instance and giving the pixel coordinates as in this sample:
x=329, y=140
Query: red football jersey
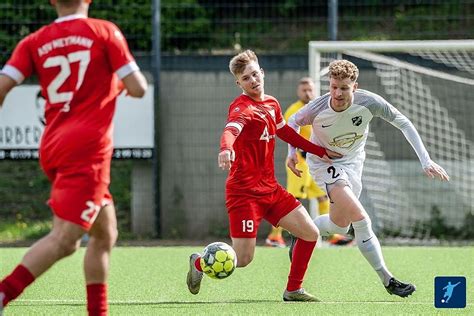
x=253, y=172
x=77, y=61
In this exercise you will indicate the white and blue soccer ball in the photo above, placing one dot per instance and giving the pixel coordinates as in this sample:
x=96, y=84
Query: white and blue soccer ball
x=218, y=260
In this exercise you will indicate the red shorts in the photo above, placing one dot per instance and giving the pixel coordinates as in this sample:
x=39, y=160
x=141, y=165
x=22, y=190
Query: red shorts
x=247, y=211
x=79, y=191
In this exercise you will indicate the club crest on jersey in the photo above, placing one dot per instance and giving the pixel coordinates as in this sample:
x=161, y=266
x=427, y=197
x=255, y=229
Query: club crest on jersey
x=345, y=141
x=356, y=121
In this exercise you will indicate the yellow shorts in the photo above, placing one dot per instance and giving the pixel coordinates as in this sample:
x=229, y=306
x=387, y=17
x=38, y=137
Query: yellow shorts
x=304, y=187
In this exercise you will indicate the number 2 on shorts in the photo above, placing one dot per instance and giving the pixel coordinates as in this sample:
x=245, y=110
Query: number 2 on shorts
x=332, y=172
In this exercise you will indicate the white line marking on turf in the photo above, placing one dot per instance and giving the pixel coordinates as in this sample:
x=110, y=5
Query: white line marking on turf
x=191, y=302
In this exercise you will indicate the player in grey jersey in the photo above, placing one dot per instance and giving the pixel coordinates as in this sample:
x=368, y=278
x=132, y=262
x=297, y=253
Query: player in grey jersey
x=340, y=121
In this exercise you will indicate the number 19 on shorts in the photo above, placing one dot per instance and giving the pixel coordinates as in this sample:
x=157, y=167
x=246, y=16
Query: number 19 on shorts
x=247, y=226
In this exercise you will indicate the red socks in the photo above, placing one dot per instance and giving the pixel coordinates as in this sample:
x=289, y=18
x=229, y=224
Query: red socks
x=97, y=299
x=197, y=264
x=301, y=255
x=14, y=284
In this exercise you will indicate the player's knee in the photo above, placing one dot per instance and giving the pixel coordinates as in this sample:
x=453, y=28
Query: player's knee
x=112, y=237
x=336, y=229
x=243, y=260
x=364, y=224
x=311, y=234
x=66, y=245
x=106, y=239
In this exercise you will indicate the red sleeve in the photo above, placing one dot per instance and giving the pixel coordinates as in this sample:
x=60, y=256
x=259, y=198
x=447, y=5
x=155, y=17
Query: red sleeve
x=290, y=136
x=279, y=119
x=117, y=47
x=238, y=117
x=228, y=138
x=22, y=59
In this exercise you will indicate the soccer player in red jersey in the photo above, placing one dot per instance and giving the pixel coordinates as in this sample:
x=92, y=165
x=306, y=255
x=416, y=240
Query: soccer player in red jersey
x=79, y=62
x=252, y=191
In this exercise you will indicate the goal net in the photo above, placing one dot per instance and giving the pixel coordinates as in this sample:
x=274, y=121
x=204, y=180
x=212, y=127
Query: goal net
x=431, y=82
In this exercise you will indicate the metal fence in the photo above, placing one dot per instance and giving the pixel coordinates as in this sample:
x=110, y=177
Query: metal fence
x=277, y=26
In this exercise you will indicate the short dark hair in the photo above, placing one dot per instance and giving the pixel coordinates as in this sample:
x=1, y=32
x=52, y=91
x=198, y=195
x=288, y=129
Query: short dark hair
x=306, y=80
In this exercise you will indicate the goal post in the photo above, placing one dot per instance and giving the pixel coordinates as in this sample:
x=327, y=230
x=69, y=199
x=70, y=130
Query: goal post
x=317, y=48
x=431, y=82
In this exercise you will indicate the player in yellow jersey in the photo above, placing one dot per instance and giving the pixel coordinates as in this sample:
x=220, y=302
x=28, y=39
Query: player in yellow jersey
x=304, y=187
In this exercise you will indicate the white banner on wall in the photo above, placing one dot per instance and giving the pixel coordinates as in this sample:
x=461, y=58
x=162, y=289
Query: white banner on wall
x=22, y=123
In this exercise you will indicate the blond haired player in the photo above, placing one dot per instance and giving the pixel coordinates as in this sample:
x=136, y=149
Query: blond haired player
x=304, y=187
x=340, y=121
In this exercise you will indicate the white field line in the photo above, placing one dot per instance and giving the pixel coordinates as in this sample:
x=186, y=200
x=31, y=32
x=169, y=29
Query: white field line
x=137, y=302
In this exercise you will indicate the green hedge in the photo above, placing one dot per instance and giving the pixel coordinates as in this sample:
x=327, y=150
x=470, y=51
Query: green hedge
x=276, y=26
x=24, y=190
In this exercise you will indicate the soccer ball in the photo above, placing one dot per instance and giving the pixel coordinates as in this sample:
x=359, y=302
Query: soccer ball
x=218, y=260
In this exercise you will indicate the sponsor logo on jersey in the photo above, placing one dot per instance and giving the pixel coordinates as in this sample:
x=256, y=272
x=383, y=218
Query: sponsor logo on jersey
x=272, y=113
x=356, y=121
x=345, y=141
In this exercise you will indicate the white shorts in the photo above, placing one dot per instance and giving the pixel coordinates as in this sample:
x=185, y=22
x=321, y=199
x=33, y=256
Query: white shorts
x=351, y=173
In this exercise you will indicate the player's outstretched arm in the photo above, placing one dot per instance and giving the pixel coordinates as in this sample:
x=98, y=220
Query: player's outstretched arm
x=227, y=155
x=289, y=135
x=6, y=84
x=433, y=170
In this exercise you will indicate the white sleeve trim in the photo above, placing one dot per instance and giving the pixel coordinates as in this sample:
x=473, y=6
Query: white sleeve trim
x=236, y=125
x=281, y=124
x=13, y=73
x=127, y=69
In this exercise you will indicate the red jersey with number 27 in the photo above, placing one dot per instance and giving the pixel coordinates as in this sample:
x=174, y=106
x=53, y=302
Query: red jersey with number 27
x=77, y=60
x=253, y=171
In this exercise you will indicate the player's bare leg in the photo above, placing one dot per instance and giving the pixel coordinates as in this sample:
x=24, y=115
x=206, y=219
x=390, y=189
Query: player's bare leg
x=103, y=235
x=302, y=227
x=245, y=249
x=345, y=209
x=62, y=241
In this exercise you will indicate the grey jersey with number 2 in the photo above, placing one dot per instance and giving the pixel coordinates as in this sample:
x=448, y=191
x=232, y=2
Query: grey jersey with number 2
x=346, y=132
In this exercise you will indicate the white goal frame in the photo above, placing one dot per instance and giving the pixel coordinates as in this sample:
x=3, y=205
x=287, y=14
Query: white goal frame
x=318, y=47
